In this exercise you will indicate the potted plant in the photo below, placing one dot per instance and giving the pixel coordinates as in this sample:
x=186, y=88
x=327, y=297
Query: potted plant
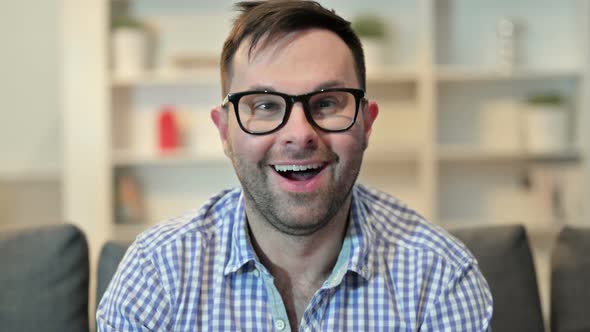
x=129, y=46
x=546, y=122
x=372, y=32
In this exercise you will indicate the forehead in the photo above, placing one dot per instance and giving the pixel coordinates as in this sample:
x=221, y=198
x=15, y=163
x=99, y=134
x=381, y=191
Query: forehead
x=295, y=62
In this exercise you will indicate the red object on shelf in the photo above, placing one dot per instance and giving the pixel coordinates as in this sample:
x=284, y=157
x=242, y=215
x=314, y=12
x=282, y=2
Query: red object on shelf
x=168, y=129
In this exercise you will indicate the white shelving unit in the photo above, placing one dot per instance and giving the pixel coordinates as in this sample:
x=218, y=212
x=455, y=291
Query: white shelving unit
x=473, y=74
x=195, y=78
x=458, y=153
x=428, y=145
x=440, y=78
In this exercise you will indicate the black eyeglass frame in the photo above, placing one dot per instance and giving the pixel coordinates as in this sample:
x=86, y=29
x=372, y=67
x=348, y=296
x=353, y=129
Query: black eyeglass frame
x=290, y=100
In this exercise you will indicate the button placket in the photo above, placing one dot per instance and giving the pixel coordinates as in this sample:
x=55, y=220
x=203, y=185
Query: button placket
x=278, y=318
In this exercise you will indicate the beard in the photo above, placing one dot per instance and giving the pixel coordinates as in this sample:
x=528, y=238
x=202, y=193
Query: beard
x=299, y=214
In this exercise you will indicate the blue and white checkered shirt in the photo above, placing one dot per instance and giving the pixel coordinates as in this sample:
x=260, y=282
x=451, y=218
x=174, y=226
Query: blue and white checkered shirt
x=395, y=272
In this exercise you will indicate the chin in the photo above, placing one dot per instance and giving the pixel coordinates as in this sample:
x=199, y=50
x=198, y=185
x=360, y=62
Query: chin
x=300, y=221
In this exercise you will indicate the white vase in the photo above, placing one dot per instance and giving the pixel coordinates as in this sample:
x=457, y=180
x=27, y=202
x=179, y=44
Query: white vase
x=546, y=129
x=129, y=51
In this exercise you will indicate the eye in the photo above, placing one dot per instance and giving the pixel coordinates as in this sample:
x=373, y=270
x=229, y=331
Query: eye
x=267, y=106
x=325, y=103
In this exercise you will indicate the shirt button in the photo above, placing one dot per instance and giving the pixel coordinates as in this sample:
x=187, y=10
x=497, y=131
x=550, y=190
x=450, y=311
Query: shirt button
x=256, y=273
x=280, y=324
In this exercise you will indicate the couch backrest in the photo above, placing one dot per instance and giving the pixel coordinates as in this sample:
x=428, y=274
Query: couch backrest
x=570, y=281
x=505, y=259
x=111, y=254
x=44, y=279
x=504, y=256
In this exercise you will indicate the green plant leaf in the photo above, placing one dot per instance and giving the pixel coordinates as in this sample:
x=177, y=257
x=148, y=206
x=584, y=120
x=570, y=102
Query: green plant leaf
x=548, y=98
x=369, y=26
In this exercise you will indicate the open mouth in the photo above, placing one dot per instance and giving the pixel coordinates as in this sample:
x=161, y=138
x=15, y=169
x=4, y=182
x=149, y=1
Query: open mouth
x=298, y=172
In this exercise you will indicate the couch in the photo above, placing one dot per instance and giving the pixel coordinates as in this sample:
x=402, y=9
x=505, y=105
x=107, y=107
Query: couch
x=505, y=259
x=44, y=278
x=504, y=256
x=570, y=281
x=44, y=273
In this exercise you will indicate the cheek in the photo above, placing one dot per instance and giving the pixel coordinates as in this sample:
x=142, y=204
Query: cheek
x=348, y=146
x=355, y=140
x=248, y=147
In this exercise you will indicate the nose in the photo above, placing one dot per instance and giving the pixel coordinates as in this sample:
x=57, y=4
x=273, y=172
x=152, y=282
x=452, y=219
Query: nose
x=298, y=132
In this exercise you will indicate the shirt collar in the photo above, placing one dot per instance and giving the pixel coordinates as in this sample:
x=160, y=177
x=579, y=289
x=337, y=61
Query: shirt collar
x=360, y=235
x=356, y=242
x=241, y=251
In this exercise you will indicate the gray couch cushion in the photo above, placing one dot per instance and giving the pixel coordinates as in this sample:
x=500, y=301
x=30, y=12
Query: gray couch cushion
x=44, y=279
x=570, y=281
x=505, y=259
x=110, y=256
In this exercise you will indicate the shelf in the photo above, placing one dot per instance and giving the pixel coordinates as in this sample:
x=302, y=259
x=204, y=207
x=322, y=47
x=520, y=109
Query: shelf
x=206, y=76
x=376, y=155
x=127, y=158
x=436, y=86
x=387, y=75
x=209, y=76
x=533, y=231
x=469, y=74
x=565, y=155
x=459, y=153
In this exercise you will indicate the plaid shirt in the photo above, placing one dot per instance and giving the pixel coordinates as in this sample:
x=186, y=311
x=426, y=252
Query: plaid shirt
x=395, y=272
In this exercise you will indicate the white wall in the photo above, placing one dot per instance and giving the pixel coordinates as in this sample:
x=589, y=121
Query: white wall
x=30, y=124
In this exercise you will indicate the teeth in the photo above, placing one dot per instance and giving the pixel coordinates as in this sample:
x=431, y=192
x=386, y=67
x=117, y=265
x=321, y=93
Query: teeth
x=296, y=168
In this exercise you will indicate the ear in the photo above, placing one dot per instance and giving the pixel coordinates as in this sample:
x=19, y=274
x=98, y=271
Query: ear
x=219, y=115
x=370, y=112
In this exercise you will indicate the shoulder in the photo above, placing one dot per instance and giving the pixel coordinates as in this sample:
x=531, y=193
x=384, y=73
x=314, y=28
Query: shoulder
x=195, y=226
x=154, y=264
x=394, y=225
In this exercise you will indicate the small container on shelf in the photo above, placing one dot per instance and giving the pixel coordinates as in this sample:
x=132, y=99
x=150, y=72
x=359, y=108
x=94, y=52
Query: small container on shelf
x=130, y=44
x=506, y=32
x=557, y=192
x=372, y=32
x=168, y=130
x=546, y=123
x=129, y=206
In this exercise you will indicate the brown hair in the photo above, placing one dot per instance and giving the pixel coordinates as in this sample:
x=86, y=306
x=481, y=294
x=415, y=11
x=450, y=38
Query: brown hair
x=275, y=18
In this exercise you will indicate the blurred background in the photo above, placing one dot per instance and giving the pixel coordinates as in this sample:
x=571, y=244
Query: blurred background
x=484, y=111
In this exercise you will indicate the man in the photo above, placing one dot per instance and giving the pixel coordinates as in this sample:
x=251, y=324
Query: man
x=299, y=246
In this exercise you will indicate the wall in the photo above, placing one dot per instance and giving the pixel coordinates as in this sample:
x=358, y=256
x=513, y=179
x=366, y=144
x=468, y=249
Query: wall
x=30, y=125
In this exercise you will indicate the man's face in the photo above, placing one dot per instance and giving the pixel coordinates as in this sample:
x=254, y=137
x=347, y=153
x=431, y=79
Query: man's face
x=295, y=202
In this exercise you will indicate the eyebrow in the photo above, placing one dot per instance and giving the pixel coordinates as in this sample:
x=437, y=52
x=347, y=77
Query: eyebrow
x=324, y=85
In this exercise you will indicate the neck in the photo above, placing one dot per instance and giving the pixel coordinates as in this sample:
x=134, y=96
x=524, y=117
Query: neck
x=299, y=264
x=308, y=258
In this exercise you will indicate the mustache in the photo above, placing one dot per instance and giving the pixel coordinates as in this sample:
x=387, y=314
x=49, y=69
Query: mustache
x=301, y=154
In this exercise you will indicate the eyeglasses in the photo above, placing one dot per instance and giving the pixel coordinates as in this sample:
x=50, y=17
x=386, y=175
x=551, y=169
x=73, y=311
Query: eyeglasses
x=264, y=112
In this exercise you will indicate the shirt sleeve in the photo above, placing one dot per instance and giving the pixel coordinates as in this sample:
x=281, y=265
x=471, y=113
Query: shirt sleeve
x=464, y=305
x=135, y=300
